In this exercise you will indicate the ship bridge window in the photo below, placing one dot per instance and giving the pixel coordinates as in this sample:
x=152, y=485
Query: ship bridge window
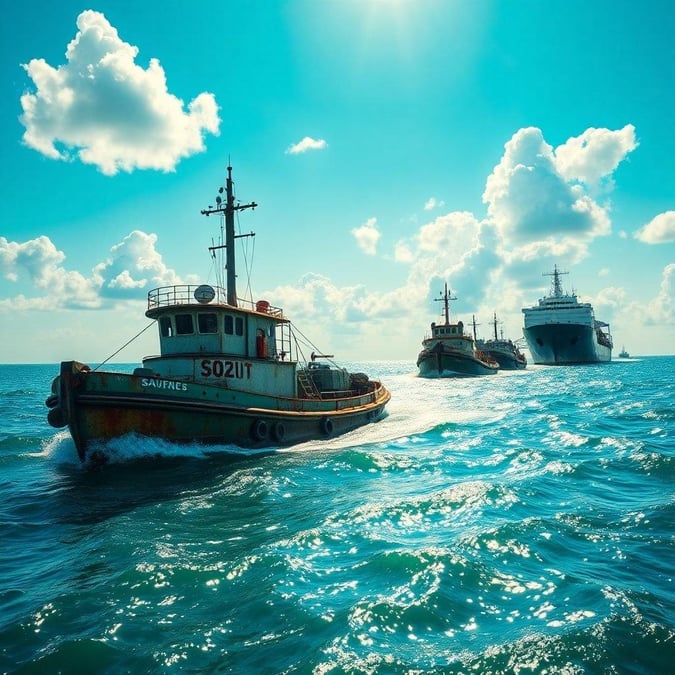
x=165, y=327
x=208, y=323
x=184, y=324
x=233, y=325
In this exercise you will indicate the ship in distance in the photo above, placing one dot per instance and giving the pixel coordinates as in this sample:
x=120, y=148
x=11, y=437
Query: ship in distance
x=560, y=330
x=451, y=352
x=506, y=352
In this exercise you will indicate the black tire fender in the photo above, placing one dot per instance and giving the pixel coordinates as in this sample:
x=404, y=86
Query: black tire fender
x=56, y=418
x=278, y=431
x=259, y=430
x=326, y=426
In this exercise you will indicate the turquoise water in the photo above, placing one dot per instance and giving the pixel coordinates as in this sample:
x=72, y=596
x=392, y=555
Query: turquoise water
x=521, y=523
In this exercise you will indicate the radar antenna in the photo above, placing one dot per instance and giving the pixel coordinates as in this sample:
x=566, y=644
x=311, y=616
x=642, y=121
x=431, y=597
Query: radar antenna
x=557, y=286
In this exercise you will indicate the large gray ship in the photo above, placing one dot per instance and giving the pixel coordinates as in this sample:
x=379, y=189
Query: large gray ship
x=560, y=330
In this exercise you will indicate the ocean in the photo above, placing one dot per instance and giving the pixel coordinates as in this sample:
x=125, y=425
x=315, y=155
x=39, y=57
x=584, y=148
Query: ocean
x=517, y=523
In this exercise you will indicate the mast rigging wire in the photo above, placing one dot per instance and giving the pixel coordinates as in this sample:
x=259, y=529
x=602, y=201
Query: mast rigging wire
x=123, y=346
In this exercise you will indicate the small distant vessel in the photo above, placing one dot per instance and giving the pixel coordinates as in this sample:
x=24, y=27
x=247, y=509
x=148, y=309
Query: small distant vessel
x=505, y=352
x=560, y=330
x=450, y=352
x=623, y=354
x=229, y=371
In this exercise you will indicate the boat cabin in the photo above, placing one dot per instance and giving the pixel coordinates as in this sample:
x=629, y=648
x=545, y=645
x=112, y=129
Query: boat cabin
x=447, y=329
x=203, y=338
x=451, y=336
x=211, y=326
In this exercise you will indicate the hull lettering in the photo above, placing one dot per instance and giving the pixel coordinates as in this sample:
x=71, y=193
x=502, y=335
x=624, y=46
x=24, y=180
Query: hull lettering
x=233, y=369
x=163, y=384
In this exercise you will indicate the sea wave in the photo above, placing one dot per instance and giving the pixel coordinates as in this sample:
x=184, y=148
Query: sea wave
x=516, y=523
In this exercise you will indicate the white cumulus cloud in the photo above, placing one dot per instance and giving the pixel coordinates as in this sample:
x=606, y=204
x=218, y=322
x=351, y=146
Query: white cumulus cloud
x=104, y=108
x=41, y=261
x=539, y=198
x=315, y=298
x=660, y=230
x=455, y=232
x=307, y=143
x=132, y=266
x=660, y=310
x=402, y=252
x=595, y=154
x=663, y=305
x=38, y=256
x=455, y=247
x=433, y=203
x=133, y=263
x=367, y=236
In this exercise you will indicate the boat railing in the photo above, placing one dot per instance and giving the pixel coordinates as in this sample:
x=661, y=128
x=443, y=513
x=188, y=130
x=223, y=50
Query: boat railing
x=447, y=337
x=345, y=399
x=168, y=296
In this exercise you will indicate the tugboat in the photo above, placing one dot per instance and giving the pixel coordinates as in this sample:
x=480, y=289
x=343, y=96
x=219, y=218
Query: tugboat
x=450, y=352
x=623, y=354
x=505, y=352
x=229, y=372
x=560, y=330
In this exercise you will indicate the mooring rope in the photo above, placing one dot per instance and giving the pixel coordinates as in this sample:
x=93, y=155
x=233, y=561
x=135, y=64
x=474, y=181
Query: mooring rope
x=123, y=346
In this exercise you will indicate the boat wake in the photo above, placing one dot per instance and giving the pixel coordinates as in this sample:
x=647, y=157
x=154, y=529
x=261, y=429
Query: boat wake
x=132, y=448
x=60, y=449
x=417, y=405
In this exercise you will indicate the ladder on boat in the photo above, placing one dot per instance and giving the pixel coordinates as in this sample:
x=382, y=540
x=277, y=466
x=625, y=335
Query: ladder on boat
x=307, y=384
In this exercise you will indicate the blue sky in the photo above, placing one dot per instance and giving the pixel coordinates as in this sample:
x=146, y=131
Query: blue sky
x=391, y=145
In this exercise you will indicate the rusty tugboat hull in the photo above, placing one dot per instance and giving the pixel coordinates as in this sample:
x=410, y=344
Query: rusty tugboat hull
x=100, y=406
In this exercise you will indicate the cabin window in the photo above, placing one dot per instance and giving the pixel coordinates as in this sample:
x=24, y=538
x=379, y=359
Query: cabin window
x=165, y=327
x=233, y=325
x=184, y=324
x=208, y=323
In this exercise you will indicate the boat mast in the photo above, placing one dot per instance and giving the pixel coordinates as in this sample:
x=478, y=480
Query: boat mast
x=445, y=298
x=557, y=287
x=228, y=210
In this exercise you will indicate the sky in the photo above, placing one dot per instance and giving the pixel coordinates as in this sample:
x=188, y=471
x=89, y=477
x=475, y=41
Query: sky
x=392, y=146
